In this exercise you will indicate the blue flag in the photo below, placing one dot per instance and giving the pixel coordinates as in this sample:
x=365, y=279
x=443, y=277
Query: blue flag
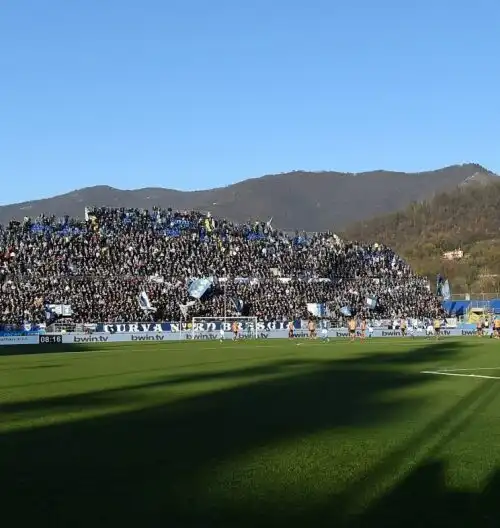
x=199, y=287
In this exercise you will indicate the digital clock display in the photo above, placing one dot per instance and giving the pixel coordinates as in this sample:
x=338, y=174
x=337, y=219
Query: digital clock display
x=50, y=339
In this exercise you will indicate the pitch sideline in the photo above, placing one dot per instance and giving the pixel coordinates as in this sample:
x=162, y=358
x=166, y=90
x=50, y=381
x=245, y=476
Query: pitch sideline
x=461, y=372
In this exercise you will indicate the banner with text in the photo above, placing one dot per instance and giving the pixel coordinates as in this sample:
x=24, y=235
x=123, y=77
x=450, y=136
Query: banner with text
x=204, y=335
x=19, y=340
x=212, y=326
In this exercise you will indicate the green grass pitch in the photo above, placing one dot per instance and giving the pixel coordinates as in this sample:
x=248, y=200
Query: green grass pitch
x=383, y=433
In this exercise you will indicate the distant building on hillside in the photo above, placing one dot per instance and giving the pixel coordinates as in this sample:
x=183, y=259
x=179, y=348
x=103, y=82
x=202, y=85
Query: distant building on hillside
x=456, y=254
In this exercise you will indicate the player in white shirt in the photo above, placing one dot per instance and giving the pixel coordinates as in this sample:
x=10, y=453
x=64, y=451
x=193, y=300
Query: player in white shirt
x=430, y=330
x=221, y=334
x=370, y=330
x=324, y=334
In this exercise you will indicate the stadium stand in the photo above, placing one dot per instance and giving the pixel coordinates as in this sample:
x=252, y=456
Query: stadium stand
x=100, y=265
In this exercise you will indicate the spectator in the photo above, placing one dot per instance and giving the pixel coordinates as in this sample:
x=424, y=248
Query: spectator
x=99, y=266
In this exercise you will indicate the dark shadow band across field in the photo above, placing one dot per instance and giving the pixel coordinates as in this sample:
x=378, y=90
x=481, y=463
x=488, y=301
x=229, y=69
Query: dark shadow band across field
x=63, y=348
x=145, y=467
x=30, y=350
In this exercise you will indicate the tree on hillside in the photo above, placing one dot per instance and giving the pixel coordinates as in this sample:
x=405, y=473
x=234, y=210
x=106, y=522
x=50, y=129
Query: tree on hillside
x=467, y=218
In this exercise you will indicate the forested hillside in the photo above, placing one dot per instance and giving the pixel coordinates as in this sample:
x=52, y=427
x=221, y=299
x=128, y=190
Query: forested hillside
x=467, y=218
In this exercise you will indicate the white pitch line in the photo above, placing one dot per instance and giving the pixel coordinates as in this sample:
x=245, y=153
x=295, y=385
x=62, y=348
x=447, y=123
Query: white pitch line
x=468, y=369
x=437, y=373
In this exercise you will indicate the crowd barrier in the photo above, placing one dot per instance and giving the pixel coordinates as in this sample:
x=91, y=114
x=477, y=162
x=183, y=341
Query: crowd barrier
x=103, y=337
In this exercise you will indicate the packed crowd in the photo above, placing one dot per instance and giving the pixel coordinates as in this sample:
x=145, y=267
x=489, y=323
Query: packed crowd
x=100, y=265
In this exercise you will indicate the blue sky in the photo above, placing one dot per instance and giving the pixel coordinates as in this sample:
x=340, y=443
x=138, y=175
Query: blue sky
x=194, y=94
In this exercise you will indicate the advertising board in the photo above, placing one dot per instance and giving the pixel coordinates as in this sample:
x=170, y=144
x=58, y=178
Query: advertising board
x=19, y=340
x=102, y=337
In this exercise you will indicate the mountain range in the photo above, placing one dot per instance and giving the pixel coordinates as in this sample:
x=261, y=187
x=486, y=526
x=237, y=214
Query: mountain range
x=309, y=201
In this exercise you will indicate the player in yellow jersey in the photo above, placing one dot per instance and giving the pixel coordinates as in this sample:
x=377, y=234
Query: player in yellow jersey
x=496, y=328
x=352, y=329
x=437, y=327
x=479, y=328
x=403, y=327
x=235, y=329
x=363, y=329
x=312, y=329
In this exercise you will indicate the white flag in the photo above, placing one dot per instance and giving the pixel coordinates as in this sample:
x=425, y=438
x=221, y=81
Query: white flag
x=371, y=302
x=185, y=307
x=144, y=303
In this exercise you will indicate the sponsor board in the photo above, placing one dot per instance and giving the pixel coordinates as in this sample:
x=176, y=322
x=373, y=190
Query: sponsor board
x=197, y=336
x=19, y=340
x=152, y=336
x=298, y=335
x=147, y=337
x=214, y=336
x=86, y=338
x=200, y=336
x=82, y=338
x=468, y=332
x=340, y=332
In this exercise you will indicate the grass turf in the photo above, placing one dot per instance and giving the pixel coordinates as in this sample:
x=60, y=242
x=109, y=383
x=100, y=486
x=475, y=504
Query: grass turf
x=252, y=434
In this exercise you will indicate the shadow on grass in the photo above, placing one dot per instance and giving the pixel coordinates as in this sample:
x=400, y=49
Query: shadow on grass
x=130, y=393
x=91, y=346
x=149, y=467
x=29, y=350
x=423, y=499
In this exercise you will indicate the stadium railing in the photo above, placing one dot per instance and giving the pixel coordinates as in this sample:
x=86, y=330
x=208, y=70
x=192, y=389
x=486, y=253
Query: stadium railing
x=475, y=296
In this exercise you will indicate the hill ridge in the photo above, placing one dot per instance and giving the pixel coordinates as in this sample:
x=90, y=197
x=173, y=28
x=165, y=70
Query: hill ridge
x=305, y=200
